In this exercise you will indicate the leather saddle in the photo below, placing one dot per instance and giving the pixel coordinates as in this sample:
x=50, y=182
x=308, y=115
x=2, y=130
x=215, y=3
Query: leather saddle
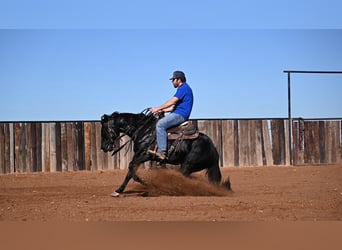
x=185, y=131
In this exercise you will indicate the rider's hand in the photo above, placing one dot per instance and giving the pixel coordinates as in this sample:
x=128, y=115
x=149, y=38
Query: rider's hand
x=155, y=110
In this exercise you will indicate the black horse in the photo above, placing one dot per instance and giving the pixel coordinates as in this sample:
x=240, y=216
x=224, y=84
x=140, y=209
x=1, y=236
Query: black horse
x=192, y=155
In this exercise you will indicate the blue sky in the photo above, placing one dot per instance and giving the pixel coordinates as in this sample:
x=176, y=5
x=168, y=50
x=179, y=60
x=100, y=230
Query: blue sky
x=75, y=60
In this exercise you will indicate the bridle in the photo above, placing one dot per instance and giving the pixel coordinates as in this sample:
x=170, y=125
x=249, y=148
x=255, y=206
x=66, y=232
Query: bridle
x=130, y=130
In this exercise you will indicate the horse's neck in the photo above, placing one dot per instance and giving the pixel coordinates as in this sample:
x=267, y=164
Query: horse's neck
x=137, y=125
x=130, y=124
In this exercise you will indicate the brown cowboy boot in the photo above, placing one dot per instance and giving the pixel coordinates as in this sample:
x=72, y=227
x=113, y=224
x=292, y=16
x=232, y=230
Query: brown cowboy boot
x=161, y=155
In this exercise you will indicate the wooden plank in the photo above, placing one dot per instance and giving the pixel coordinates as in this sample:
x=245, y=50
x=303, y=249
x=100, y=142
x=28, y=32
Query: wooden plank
x=311, y=151
x=267, y=148
x=278, y=142
x=17, y=132
x=332, y=143
x=298, y=140
x=215, y=135
x=72, y=147
x=27, y=151
x=39, y=146
x=316, y=151
x=87, y=145
x=79, y=146
x=69, y=147
x=287, y=143
x=301, y=142
x=328, y=141
x=220, y=143
x=252, y=143
x=335, y=136
x=322, y=142
x=93, y=154
x=2, y=149
x=26, y=148
x=64, y=146
x=6, y=148
x=43, y=147
x=295, y=141
x=53, y=154
x=12, y=149
x=99, y=154
x=308, y=140
x=58, y=146
x=9, y=148
x=33, y=147
x=259, y=144
x=228, y=143
x=236, y=144
x=244, y=152
x=46, y=147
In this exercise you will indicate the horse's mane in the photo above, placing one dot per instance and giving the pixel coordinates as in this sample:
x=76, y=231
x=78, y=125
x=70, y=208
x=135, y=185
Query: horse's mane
x=144, y=116
x=140, y=124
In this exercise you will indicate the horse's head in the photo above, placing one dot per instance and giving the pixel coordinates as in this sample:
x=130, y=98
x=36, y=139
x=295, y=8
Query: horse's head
x=110, y=131
x=135, y=126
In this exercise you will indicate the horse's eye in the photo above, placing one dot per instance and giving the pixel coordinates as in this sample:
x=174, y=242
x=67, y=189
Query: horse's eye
x=104, y=118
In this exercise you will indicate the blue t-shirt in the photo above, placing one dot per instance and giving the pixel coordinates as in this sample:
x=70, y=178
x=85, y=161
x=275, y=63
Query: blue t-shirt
x=184, y=105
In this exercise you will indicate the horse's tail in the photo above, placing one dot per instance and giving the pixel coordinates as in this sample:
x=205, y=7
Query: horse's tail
x=215, y=176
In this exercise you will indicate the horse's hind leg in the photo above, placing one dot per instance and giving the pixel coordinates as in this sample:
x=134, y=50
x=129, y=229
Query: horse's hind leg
x=186, y=168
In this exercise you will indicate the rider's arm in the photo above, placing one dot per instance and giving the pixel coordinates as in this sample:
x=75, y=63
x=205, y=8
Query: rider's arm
x=169, y=109
x=166, y=107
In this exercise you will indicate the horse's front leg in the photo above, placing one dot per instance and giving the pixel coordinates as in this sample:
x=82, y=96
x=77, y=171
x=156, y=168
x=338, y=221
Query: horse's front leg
x=131, y=174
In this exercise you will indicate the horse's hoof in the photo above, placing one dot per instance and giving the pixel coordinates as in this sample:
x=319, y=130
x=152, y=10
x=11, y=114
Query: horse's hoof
x=115, y=194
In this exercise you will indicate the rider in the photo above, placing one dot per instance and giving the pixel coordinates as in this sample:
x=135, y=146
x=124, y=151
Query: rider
x=180, y=106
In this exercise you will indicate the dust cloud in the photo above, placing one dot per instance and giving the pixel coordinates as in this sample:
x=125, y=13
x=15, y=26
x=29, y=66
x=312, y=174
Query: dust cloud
x=170, y=182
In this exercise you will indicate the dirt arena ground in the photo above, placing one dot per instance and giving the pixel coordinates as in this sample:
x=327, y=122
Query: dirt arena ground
x=304, y=193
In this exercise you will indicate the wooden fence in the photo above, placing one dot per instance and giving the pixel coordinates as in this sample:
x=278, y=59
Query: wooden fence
x=75, y=145
x=316, y=141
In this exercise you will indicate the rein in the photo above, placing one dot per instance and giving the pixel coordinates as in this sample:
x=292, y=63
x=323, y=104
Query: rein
x=121, y=147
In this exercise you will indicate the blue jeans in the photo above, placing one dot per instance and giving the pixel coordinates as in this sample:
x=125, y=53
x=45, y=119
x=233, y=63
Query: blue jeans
x=163, y=124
